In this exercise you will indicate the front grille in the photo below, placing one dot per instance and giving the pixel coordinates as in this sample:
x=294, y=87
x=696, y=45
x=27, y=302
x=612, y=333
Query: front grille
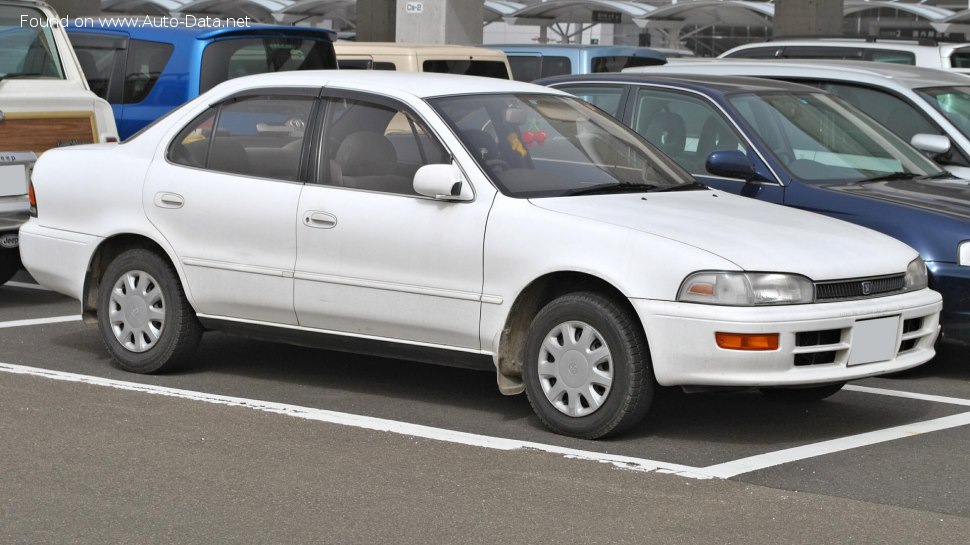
x=815, y=358
x=821, y=338
x=859, y=288
x=912, y=325
x=815, y=338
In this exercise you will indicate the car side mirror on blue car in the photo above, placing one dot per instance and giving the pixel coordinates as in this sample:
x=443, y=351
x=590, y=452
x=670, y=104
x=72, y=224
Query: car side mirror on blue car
x=731, y=164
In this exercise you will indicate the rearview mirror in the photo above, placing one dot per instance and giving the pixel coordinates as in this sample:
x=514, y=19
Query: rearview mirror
x=442, y=182
x=731, y=164
x=935, y=144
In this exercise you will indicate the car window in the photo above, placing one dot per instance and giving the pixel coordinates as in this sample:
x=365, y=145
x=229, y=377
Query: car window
x=231, y=58
x=98, y=55
x=617, y=63
x=890, y=56
x=815, y=52
x=488, y=69
x=539, y=145
x=960, y=58
x=685, y=127
x=556, y=66
x=258, y=136
x=818, y=137
x=374, y=146
x=364, y=64
x=533, y=67
x=604, y=97
x=899, y=116
x=146, y=60
x=27, y=51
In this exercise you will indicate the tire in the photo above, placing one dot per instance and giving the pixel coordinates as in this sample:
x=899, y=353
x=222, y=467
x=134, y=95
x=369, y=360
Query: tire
x=9, y=263
x=601, y=395
x=803, y=395
x=146, y=323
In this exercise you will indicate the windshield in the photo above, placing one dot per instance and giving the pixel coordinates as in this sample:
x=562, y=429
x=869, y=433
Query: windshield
x=953, y=103
x=231, y=58
x=820, y=138
x=27, y=47
x=535, y=145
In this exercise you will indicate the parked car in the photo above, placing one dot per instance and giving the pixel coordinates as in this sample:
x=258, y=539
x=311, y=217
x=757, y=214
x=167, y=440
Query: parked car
x=465, y=221
x=795, y=145
x=146, y=71
x=920, y=105
x=44, y=103
x=440, y=58
x=533, y=61
x=925, y=52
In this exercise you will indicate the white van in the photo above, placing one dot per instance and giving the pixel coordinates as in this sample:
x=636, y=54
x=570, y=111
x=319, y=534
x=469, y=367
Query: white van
x=45, y=103
x=448, y=59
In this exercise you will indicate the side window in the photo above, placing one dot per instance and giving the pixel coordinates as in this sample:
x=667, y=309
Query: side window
x=375, y=147
x=556, y=66
x=894, y=57
x=525, y=67
x=604, y=97
x=895, y=113
x=684, y=127
x=618, y=63
x=813, y=52
x=146, y=60
x=258, y=136
x=98, y=56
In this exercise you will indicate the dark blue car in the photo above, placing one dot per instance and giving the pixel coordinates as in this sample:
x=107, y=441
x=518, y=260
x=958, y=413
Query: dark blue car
x=799, y=146
x=146, y=71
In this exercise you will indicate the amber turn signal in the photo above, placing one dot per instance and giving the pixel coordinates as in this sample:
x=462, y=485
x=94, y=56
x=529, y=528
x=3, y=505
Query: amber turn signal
x=747, y=341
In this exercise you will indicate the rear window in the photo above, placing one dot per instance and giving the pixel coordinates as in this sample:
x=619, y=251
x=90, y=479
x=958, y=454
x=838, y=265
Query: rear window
x=618, y=63
x=233, y=58
x=488, y=69
x=26, y=51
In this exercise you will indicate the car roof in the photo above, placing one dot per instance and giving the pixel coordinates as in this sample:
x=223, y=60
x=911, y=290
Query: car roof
x=599, y=49
x=396, y=48
x=418, y=84
x=719, y=84
x=878, y=73
x=184, y=32
x=882, y=43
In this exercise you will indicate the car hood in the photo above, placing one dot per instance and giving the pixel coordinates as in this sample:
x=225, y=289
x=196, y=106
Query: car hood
x=948, y=197
x=754, y=235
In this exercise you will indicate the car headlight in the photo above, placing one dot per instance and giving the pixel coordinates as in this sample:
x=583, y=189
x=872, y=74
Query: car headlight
x=965, y=254
x=916, y=275
x=746, y=289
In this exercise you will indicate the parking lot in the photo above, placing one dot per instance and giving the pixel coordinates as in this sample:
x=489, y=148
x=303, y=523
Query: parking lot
x=898, y=442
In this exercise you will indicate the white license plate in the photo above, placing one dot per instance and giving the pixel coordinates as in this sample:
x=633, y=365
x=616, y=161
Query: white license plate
x=13, y=180
x=874, y=340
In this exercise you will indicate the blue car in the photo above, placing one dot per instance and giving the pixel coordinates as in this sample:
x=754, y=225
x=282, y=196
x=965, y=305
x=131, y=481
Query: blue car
x=533, y=61
x=144, y=72
x=802, y=147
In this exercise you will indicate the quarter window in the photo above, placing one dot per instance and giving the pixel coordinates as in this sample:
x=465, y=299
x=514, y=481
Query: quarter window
x=258, y=136
x=146, y=60
x=375, y=147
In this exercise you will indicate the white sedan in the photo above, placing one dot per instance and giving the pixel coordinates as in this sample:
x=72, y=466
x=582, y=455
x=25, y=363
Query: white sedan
x=468, y=222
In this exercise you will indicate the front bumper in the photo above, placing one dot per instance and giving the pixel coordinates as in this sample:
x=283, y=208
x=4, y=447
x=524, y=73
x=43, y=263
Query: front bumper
x=685, y=353
x=953, y=283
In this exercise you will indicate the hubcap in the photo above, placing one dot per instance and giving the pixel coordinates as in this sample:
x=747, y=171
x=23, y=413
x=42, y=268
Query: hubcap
x=575, y=368
x=137, y=311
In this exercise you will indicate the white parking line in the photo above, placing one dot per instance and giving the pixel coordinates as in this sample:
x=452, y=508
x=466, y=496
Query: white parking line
x=26, y=285
x=366, y=422
x=40, y=321
x=722, y=471
x=908, y=395
x=770, y=459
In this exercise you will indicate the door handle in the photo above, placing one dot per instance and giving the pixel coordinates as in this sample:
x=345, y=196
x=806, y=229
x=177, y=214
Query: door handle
x=320, y=220
x=169, y=200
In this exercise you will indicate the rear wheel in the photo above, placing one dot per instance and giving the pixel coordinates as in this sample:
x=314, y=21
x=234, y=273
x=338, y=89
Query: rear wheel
x=587, y=367
x=9, y=263
x=811, y=393
x=146, y=323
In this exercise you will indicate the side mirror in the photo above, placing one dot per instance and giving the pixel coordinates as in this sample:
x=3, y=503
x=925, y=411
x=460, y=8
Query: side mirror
x=935, y=144
x=730, y=164
x=442, y=182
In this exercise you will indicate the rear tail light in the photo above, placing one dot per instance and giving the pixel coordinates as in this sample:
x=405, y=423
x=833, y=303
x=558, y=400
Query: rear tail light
x=32, y=198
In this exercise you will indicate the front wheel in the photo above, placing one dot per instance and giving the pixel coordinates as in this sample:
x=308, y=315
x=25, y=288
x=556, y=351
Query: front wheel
x=9, y=263
x=587, y=367
x=803, y=395
x=146, y=323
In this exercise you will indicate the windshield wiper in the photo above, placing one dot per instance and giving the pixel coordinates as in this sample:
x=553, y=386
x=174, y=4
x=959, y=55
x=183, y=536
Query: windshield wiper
x=604, y=189
x=888, y=177
x=938, y=176
x=692, y=186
